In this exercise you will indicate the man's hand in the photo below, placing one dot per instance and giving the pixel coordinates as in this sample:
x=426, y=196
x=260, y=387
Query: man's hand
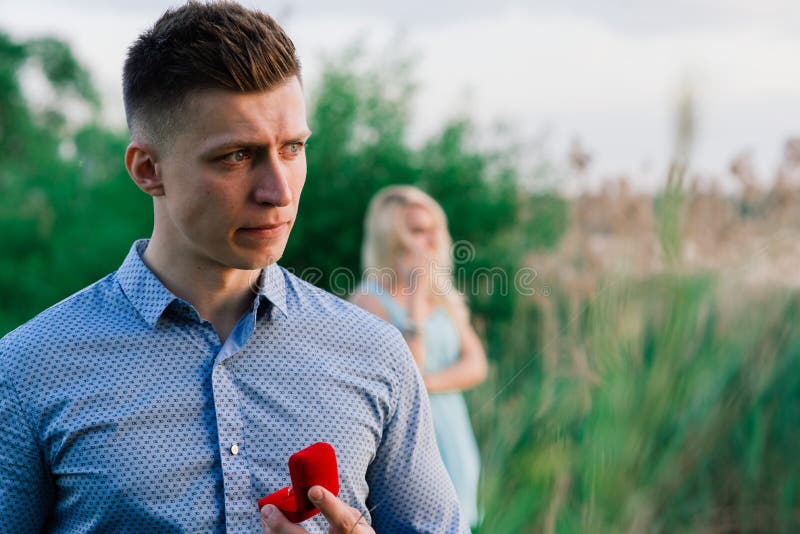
x=343, y=519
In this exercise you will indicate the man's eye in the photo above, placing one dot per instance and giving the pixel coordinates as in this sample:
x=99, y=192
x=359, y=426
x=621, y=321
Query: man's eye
x=236, y=157
x=294, y=148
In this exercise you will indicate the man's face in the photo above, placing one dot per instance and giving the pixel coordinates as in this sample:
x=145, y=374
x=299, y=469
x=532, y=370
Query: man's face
x=232, y=177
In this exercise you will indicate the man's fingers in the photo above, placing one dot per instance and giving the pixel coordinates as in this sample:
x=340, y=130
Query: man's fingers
x=336, y=511
x=341, y=517
x=274, y=522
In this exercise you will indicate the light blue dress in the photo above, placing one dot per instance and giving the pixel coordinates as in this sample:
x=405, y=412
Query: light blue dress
x=451, y=422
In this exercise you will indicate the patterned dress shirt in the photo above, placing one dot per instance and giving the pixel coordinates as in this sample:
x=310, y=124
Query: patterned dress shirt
x=121, y=410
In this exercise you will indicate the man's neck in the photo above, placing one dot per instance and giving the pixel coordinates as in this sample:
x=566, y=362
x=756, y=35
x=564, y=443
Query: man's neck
x=220, y=295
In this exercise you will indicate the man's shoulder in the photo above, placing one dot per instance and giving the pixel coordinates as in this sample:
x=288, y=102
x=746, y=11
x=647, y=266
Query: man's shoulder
x=328, y=304
x=331, y=311
x=74, y=317
x=364, y=340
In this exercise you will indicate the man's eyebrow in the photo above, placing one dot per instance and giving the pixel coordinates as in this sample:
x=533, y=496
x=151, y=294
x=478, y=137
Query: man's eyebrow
x=305, y=134
x=244, y=142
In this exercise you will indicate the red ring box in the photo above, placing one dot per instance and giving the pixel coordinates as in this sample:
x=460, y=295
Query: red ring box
x=313, y=466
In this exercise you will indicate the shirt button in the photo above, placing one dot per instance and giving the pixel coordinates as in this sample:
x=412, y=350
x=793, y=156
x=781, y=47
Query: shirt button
x=234, y=449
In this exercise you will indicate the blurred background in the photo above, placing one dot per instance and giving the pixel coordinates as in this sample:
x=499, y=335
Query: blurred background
x=639, y=162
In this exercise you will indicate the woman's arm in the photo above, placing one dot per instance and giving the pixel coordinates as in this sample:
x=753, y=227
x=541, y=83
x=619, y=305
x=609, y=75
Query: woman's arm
x=470, y=369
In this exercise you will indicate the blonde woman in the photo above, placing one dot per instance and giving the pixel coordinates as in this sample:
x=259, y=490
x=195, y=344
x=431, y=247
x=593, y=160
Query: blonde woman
x=408, y=281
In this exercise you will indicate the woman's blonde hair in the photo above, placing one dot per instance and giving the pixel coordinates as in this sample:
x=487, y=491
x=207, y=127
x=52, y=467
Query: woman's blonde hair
x=383, y=244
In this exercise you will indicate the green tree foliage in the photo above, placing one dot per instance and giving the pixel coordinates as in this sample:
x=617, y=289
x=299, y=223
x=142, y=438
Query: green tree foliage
x=361, y=120
x=356, y=149
x=67, y=209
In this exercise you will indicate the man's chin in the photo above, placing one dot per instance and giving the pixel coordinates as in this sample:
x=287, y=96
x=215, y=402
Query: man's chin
x=246, y=257
x=259, y=261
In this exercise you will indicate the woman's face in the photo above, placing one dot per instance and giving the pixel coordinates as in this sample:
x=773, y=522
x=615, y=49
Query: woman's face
x=420, y=231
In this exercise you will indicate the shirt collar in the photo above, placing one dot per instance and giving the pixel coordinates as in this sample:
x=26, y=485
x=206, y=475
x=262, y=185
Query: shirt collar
x=272, y=285
x=144, y=291
x=150, y=298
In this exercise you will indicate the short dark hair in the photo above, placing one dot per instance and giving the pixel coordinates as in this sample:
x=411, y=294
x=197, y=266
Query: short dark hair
x=217, y=45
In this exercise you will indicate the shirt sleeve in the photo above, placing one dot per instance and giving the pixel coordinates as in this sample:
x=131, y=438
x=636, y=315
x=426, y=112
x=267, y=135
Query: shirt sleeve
x=25, y=496
x=410, y=490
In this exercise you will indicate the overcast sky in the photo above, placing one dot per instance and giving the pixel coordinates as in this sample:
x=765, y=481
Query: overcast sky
x=604, y=71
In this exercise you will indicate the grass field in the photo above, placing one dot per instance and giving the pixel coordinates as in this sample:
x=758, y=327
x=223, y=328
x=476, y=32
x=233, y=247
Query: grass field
x=669, y=404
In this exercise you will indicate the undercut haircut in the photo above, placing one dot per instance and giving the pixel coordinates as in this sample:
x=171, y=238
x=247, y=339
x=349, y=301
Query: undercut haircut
x=198, y=46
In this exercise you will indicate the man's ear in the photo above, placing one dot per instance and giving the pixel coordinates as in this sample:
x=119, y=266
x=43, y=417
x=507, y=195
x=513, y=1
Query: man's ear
x=141, y=164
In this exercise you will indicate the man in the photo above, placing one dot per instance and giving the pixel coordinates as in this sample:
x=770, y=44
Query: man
x=168, y=396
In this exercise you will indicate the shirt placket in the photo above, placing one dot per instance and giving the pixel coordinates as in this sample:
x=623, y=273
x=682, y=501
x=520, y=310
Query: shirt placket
x=230, y=430
x=240, y=510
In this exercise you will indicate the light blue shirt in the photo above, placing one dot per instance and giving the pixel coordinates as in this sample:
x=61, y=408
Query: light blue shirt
x=121, y=410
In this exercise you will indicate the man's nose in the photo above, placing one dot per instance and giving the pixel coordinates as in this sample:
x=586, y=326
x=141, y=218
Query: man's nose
x=272, y=183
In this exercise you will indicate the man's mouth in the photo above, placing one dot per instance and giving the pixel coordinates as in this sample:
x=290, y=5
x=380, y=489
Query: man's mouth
x=265, y=231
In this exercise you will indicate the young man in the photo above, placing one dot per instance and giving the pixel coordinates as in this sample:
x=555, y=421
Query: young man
x=168, y=396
